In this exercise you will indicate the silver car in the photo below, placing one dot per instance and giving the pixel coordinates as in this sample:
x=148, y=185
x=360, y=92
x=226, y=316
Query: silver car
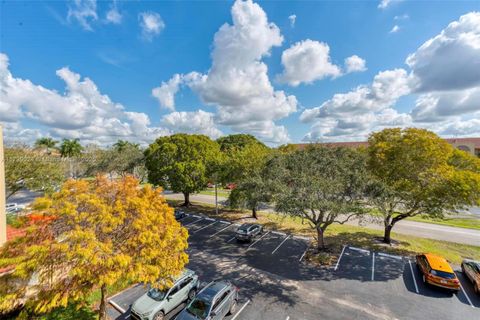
x=248, y=231
x=155, y=304
x=213, y=302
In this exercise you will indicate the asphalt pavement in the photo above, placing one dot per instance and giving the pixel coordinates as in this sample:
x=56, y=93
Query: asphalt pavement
x=276, y=283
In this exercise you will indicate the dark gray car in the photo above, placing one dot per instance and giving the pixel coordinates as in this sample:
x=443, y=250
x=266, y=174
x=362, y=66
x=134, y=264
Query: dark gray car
x=248, y=231
x=214, y=302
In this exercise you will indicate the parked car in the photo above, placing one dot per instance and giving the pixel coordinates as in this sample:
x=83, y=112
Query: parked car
x=213, y=302
x=14, y=207
x=230, y=186
x=437, y=271
x=248, y=231
x=155, y=303
x=471, y=269
x=179, y=214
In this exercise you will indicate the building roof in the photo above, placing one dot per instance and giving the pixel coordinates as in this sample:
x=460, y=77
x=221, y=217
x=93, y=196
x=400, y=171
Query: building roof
x=356, y=144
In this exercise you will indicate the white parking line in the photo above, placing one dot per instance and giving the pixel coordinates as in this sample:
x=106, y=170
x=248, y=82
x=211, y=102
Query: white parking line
x=339, y=258
x=413, y=276
x=185, y=216
x=258, y=240
x=303, y=255
x=241, y=309
x=279, y=233
x=194, y=215
x=288, y=318
x=208, y=225
x=223, y=221
x=286, y=238
x=231, y=239
x=465, y=294
x=116, y=306
x=389, y=256
x=192, y=222
x=209, y=219
x=373, y=266
x=359, y=250
x=213, y=235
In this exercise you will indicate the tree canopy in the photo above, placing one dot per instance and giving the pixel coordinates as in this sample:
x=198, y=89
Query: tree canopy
x=25, y=168
x=237, y=141
x=46, y=142
x=70, y=148
x=93, y=234
x=182, y=163
x=417, y=172
x=322, y=185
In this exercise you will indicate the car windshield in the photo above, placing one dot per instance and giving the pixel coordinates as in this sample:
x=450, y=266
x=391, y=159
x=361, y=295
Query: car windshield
x=157, y=294
x=443, y=274
x=199, y=308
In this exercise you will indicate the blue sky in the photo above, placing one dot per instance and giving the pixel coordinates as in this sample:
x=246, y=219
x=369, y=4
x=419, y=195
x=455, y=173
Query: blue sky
x=272, y=74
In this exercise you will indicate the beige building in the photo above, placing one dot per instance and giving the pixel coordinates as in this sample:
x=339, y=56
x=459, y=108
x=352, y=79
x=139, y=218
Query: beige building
x=470, y=145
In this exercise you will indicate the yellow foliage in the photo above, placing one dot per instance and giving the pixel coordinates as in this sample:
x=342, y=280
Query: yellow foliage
x=103, y=231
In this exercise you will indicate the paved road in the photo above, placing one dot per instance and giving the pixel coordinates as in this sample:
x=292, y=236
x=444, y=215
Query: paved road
x=414, y=228
x=275, y=283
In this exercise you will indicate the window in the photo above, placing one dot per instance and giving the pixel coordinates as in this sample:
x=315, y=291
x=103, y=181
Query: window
x=173, y=291
x=220, y=300
x=185, y=283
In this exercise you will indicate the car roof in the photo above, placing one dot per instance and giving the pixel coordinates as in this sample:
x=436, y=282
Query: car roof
x=211, y=290
x=438, y=263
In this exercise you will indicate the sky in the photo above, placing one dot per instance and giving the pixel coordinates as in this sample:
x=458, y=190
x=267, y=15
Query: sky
x=283, y=71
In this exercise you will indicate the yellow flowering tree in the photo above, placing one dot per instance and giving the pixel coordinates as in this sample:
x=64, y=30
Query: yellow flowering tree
x=92, y=235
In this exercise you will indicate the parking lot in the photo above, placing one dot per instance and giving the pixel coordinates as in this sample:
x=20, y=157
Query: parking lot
x=275, y=283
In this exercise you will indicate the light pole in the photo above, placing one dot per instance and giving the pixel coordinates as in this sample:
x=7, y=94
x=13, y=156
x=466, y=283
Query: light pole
x=3, y=215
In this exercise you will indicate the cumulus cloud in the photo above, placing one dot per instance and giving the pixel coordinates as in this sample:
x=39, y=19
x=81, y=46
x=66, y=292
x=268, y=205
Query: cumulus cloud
x=307, y=61
x=450, y=60
x=165, y=93
x=293, y=19
x=84, y=12
x=237, y=83
x=198, y=122
x=151, y=24
x=355, y=64
x=386, y=3
x=82, y=111
x=113, y=15
x=395, y=29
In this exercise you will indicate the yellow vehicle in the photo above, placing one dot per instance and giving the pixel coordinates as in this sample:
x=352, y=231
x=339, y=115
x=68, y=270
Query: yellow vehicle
x=437, y=272
x=471, y=269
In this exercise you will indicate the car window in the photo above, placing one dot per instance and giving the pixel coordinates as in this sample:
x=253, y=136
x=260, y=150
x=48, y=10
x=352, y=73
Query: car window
x=156, y=294
x=199, y=308
x=443, y=274
x=173, y=291
x=221, y=299
x=185, y=283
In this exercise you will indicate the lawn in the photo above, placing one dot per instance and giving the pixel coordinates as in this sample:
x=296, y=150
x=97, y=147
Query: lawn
x=339, y=235
x=471, y=223
x=211, y=192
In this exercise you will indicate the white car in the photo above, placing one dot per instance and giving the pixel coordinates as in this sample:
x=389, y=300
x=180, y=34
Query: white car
x=14, y=207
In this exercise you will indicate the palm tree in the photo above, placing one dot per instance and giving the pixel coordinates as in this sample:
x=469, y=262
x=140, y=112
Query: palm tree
x=47, y=143
x=70, y=148
x=120, y=145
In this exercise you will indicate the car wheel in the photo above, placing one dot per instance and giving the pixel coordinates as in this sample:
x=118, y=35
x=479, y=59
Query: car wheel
x=191, y=294
x=159, y=316
x=233, y=307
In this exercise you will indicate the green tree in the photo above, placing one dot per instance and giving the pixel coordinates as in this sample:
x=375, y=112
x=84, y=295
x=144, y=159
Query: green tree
x=70, y=148
x=25, y=168
x=47, y=143
x=416, y=172
x=237, y=141
x=93, y=235
x=181, y=162
x=322, y=185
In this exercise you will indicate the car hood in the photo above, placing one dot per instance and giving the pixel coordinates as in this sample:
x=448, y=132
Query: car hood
x=145, y=304
x=185, y=315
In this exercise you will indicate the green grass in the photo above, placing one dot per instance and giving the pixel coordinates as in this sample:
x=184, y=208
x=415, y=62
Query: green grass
x=467, y=223
x=339, y=235
x=211, y=192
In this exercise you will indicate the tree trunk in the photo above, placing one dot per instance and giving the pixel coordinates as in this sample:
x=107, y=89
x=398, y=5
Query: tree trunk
x=102, y=312
x=254, y=213
x=186, y=203
x=386, y=235
x=320, y=240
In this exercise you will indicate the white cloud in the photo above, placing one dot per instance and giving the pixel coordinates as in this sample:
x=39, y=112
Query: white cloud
x=307, y=61
x=151, y=24
x=198, y=122
x=81, y=112
x=450, y=60
x=237, y=83
x=165, y=93
x=386, y=3
x=355, y=64
x=293, y=19
x=395, y=29
x=84, y=11
x=402, y=17
x=113, y=15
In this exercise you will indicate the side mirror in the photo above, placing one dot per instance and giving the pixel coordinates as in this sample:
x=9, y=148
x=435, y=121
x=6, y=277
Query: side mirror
x=169, y=298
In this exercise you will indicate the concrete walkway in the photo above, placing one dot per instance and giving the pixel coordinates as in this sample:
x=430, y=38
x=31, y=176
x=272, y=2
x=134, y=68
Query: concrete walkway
x=413, y=228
